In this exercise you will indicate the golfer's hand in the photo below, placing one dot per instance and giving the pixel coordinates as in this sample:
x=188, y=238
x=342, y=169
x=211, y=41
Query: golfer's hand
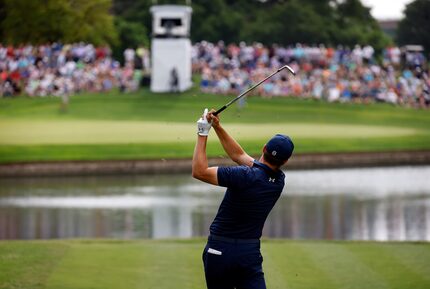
x=203, y=125
x=213, y=118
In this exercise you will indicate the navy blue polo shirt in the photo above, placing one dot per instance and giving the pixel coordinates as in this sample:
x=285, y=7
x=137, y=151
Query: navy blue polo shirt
x=251, y=194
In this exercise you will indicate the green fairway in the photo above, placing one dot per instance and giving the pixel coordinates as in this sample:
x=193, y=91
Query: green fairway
x=144, y=125
x=111, y=132
x=177, y=264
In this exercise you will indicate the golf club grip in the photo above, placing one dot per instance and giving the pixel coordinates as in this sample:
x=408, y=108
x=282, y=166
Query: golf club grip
x=220, y=110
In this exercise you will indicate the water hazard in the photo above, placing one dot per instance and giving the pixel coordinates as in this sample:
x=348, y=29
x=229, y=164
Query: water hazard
x=352, y=204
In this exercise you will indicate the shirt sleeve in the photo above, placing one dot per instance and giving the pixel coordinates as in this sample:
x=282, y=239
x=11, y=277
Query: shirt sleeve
x=233, y=177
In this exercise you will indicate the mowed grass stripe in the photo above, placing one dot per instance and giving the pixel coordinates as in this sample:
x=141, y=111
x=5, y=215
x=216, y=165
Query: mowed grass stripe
x=186, y=107
x=144, y=125
x=382, y=258
x=287, y=266
x=107, y=264
x=20, y=132
x=95, y=265
x=415, y=257
x=16, y=153
x=344, y=268
x=28, y=264
x=130, y=265
x=176, y=265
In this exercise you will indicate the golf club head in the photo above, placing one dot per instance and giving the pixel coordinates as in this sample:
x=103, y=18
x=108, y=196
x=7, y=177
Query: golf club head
x=289, y=69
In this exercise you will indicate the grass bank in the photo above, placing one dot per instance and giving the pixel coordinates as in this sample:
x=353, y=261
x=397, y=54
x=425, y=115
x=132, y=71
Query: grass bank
x=144, y=125
x=177, y=264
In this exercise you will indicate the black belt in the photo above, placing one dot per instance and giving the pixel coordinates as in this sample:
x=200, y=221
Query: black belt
x=234, y=241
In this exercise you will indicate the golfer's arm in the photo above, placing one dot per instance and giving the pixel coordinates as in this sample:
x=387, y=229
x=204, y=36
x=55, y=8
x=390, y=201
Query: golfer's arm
x=200, y=169
x=233, y=148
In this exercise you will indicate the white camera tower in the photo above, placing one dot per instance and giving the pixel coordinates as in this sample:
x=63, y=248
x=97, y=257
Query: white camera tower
x=171, y=48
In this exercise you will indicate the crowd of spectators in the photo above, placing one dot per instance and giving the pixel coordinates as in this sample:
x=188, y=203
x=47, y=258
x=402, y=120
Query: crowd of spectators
x=61, y=70
x=333, y=74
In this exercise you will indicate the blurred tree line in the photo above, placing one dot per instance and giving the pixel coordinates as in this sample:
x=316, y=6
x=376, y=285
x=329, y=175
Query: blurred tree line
x=41, y=21
x=284, y=22
x=414, y=28
x=127, y=23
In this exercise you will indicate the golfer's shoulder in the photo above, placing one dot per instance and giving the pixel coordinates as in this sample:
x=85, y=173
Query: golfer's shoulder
x=235, y=175
x=237, y=170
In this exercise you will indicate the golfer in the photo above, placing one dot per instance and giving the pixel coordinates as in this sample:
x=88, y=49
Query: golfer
x=232, y=257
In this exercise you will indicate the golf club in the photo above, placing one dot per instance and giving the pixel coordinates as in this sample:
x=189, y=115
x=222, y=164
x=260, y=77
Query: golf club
x=253, y=87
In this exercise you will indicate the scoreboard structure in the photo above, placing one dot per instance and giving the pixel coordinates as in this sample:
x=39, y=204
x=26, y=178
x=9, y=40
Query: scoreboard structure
x=171, y=48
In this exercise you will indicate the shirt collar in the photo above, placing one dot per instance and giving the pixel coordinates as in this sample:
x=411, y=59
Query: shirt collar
x=266, y=168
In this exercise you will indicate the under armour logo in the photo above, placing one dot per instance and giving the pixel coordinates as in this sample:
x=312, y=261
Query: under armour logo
x=272, y=180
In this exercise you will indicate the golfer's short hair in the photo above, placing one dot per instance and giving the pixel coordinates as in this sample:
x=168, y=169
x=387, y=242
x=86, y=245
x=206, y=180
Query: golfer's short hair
x=272, y=160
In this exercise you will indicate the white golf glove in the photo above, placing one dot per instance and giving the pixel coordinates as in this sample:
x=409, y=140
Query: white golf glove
x=203, y=126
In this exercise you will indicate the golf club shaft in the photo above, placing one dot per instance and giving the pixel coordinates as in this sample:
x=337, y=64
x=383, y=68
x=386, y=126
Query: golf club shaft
x=253, y=87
